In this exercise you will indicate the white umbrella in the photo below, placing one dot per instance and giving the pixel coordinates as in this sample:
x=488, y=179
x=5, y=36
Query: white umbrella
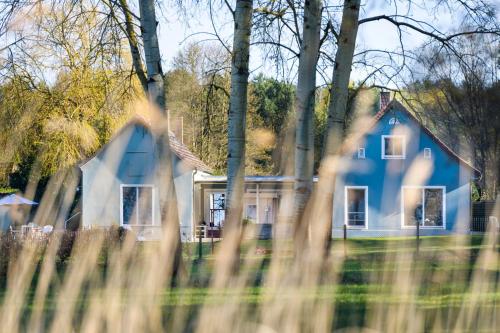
x=15, y=199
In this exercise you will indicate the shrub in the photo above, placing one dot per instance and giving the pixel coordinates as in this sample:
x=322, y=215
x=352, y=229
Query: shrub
x=10, y=249
x=66, y=245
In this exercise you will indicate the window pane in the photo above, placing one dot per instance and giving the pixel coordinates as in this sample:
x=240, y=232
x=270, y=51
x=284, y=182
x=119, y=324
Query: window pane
x=356, y=214
x=412, y=206
x=433, y=207
x=145, y=205
x=129, y=205
x=393, y=146
x=217, y=209
x=218, y=201
x=251, y=213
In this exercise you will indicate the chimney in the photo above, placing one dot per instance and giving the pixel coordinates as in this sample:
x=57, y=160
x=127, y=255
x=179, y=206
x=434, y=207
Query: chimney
x=385, y=98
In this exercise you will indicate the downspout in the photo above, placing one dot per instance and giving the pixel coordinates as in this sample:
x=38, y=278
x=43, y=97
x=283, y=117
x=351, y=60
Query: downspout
x=192, y=204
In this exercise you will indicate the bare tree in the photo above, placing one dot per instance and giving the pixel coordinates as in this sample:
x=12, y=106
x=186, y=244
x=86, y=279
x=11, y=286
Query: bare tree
x=304, y=105
x=238, y=107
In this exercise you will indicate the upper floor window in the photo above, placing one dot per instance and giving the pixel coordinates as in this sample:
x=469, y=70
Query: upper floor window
x=393, y=147
x=393, y=121
x=427, y=153
x=361, y=153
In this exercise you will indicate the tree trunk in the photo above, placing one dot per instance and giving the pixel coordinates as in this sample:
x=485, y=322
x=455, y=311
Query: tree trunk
x=133, y=44
x=337, y=109
x=341, y=74
x=164, y=170
x=304, y=104
x=238, y=107
x=152, y=54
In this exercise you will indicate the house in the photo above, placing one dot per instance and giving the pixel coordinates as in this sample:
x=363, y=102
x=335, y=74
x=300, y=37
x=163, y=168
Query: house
x=395, y=173
x=119, y=186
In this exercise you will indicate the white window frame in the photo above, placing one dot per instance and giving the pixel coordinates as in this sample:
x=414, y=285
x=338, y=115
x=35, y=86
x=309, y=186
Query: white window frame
x=346, y=208
x=361, y=153
x=423, y=188
x=393, y=157
x=137, y=212
x=427, y=153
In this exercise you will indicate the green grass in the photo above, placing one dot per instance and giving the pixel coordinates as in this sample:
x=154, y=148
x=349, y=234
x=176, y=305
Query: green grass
x=360, y=286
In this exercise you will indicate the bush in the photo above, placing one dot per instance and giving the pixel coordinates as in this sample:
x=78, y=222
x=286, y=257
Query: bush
x=10, y=249
x=66, y=246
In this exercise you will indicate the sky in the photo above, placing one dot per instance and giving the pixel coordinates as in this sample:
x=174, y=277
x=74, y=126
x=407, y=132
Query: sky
x=176, y=31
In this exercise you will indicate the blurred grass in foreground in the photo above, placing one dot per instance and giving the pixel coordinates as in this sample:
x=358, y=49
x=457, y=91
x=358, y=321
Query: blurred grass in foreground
x=444, y=272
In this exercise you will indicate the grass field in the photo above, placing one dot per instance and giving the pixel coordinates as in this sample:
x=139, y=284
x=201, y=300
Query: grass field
x=364, y=283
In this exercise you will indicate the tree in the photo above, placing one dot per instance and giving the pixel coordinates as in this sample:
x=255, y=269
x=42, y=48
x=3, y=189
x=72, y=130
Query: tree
x=238, y=107
x=304, y=107
x=459, y=96
x=164, y=170
x=339, y=90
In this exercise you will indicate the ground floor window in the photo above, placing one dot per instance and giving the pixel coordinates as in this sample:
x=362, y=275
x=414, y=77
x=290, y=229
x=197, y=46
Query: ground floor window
x=217, y=209
x=423, y=205
x=137, y=204
x=356, y=206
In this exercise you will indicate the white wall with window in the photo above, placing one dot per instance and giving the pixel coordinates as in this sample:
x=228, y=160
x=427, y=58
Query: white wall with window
x=393, y=147
x=425, y=205
x=137, y=205
x=356, y=206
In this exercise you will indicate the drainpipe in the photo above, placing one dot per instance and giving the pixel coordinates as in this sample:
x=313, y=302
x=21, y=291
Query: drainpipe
x=192, y=204
x=258, y=204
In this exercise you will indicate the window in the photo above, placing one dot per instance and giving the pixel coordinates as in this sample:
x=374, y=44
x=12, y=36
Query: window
x=356, y=206
x=393, y=147
x=361, y=153
x=137, y=204
x=393, y=121
x=217, y=209
x=427, y=153
x=423, y=205
x=251, y=213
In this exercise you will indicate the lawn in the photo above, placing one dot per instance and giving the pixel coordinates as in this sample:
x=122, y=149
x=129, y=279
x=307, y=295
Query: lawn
x=362, y=281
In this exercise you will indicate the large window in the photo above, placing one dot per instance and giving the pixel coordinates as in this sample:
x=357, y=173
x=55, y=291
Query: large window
x=393, y=147
x=356, y=206
x=423, y=205
x=137, y=205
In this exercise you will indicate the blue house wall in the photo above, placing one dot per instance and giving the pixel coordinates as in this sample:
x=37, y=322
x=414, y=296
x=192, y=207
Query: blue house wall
x=129, y=159
x=384, y=179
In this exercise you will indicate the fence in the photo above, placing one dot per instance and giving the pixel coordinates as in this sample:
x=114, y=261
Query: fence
x=481, y=212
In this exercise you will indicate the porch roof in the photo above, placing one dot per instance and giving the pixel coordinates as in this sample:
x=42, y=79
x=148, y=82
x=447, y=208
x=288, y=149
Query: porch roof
x=202, y=177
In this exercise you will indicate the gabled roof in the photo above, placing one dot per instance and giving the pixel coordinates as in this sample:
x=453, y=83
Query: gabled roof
x=177, y=147
x=395, y=105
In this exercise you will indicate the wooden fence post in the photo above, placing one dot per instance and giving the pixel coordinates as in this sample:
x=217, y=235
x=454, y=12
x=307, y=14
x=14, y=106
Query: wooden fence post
x=345, y=239
x=200, y=250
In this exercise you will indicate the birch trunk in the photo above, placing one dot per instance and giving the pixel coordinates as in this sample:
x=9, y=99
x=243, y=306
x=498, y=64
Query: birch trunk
x=304, y=106
x=337, y=110
x=341, y=75
x=238, y=107
x=164, y=170
x=133, y=44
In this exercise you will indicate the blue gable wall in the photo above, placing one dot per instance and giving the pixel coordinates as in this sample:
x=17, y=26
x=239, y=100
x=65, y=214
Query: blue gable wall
x=130, y=159
x=385, y=178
